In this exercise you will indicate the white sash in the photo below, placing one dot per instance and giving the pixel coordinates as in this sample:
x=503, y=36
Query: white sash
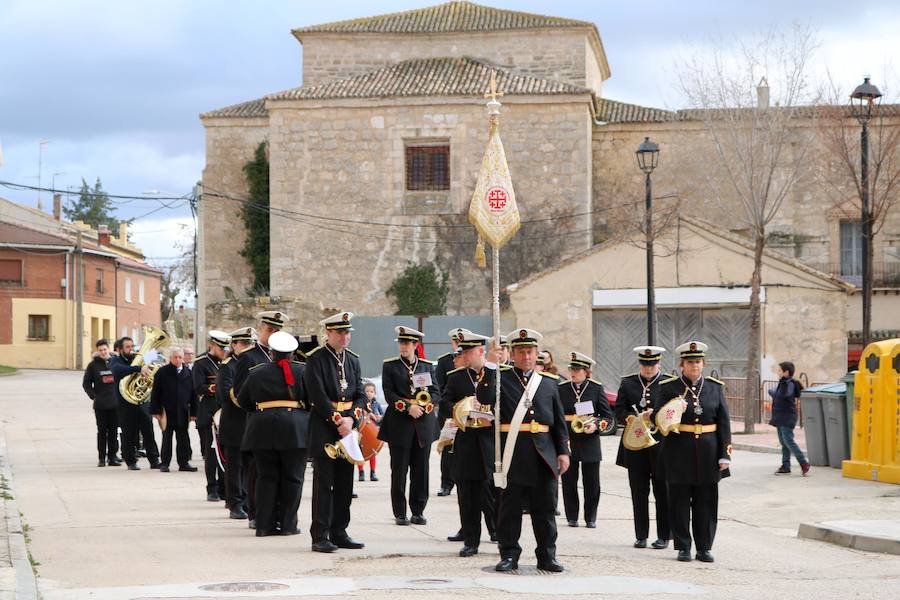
x=516, y=422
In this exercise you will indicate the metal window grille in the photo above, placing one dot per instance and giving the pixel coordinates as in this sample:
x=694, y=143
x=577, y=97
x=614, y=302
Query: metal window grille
x=427, y=168
x=39, y=327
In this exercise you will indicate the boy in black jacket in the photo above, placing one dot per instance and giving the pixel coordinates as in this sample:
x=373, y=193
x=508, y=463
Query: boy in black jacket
x=100, y=386
x=784, y=418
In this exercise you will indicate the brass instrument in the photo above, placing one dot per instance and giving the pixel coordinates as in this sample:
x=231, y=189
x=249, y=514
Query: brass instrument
x=582, y=421
x=668, y=418
x=638, y=432
x=346, y=448
x=136, y=388
x=423, y=397
x=461, y=416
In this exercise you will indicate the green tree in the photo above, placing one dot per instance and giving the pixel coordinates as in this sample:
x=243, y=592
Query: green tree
x=93, y=207
x=255, y=214
x=420, y=290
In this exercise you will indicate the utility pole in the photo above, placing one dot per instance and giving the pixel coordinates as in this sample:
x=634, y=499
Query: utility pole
x=79, y=303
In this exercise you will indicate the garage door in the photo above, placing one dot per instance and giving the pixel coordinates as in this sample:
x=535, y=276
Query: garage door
x=616, y=332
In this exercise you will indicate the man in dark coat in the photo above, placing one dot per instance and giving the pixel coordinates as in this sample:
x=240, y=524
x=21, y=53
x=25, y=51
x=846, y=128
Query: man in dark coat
x=174, y=404
x=698, y=456
x=204, y=373
x=277, y=431
x=333, y=381
x=445, y=364
x=474, y=446
x=232, y=422
x=133, y=418
x=583, y=398
x=539, y=451
x=100, y=386
x=410, y=424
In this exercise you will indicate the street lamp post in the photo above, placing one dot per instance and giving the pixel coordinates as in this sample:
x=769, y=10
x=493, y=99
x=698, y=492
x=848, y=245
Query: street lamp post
x=648, y=158
x=862, y=101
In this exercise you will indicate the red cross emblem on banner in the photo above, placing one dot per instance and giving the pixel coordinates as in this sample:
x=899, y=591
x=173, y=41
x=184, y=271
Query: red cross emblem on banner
x=497, y=199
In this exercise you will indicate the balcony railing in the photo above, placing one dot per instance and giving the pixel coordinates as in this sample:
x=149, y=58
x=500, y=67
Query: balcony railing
x=884, y=274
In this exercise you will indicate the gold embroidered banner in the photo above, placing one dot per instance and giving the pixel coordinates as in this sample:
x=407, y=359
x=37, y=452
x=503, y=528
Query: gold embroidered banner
x=493, y=209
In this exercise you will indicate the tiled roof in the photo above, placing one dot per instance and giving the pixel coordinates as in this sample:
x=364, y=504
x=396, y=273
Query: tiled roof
x=430, y=77
x=136, y=264
x=15, y=233
x=445, y=18
x=253, y=108
x=612, y=111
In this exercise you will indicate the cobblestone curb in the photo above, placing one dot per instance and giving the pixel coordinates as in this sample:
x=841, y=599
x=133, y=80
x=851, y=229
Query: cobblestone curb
x=23, y=584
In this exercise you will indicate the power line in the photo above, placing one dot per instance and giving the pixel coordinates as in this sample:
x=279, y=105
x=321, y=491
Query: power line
x=21, y=186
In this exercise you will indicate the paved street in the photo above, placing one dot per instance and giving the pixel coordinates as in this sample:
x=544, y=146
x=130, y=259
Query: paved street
x=109, y=533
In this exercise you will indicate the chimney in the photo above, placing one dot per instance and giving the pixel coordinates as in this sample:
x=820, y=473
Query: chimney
x=123, y=233
x=57, y=207
x=762, y=94
x=103, y=235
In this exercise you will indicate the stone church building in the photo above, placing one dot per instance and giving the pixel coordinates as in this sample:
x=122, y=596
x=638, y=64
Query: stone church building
x=373, y=159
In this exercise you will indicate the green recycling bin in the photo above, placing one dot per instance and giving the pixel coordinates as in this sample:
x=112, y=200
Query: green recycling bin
x=849, y=380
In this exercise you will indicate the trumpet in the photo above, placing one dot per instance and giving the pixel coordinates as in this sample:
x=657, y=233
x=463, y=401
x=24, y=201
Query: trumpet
x=580, y=422
x=346, y=448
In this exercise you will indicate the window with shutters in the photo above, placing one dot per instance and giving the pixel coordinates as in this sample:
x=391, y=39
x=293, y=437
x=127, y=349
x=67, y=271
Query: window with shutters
x=11, y=272
x=851, y=251
x=99, y=282
x=427, y=168
x=128, y=289
x=39, y=328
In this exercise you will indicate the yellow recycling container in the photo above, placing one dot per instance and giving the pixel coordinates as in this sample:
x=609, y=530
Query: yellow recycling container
x=875, y=442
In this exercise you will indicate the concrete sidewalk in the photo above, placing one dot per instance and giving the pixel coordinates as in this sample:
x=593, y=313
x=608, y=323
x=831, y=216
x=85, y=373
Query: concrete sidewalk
x=764, y=438
x=108, y=533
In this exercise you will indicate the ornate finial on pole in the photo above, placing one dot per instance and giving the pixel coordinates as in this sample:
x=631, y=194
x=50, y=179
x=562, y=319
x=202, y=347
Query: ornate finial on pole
x=493, y=94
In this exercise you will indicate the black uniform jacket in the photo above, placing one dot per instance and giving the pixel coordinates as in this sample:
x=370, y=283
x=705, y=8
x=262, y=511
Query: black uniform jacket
x=473, y=449
x=250, y=357
x=121, y=368
x=323, y=389
x=205, y=373
x=233, y=419
x=442, y=369
x=585, y=446
x=99, y=384
x=533, y=451
x=174, y=392
x=690, y=458
x=398, y=428
x=274, y=428
x=631, y=393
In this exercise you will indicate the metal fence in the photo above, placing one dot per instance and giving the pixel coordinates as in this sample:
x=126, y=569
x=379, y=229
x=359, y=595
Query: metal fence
x=735, y=391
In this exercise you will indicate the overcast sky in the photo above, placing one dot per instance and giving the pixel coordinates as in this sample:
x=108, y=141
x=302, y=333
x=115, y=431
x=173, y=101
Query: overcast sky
x=116, y=87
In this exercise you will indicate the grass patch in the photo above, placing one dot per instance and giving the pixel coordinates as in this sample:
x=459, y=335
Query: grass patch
x=5, y=491
x=7, y=370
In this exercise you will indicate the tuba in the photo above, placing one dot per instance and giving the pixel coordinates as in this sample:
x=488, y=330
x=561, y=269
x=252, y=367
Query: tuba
x=668, y=418
x=638, y=432
x=135, y=388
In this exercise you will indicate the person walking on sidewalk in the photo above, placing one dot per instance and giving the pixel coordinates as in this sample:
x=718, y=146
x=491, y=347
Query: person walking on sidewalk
x=99, y=385
x=784, y=418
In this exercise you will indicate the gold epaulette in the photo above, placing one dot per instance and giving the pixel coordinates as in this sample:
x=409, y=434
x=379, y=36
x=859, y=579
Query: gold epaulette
x=672, y=378
x=595, y=381
x=313, y=351
x=226, y=360
x=256, y=366
x=426, y=361
x=352, y=352
x=199, y=356
x=550, y=375
x=391, y=359
x=444, y=354
x=505, y=367
x=296, y=362
x=714, y=380
x=455, y=370
x=563, y=382
x=630, y=375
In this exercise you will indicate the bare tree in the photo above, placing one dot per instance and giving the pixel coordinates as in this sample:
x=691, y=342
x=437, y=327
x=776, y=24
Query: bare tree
x=178, y=277
x=751, y=153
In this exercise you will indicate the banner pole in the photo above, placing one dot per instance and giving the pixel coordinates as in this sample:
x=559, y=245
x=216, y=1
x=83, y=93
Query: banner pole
x=495, y=266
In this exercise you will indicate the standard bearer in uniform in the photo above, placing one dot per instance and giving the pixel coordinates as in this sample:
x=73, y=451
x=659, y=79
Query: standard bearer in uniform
x=205, y=373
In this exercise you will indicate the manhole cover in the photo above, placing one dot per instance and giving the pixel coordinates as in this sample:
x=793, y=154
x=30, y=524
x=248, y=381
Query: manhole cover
x=522, y=570
x=429, y=581
x=244, y=586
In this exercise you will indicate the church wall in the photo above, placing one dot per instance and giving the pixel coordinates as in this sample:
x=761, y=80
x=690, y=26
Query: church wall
x=560, y=55
x=346, y=161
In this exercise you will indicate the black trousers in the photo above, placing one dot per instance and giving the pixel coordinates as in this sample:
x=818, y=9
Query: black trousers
x=476, y=498
x=235, y=493
x=248, y=472
x=182, y=449
x=279, y=486
x=694, y=507
x=215, y=480
x=590, y=474
x=413, y=460
x=447, y=468
x=639, y=480
x=134, y=419
x=107, y=433
x=332, y=494
x=541, y=499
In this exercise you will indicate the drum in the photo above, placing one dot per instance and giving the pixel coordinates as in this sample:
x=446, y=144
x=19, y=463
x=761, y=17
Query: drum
x=368, y=439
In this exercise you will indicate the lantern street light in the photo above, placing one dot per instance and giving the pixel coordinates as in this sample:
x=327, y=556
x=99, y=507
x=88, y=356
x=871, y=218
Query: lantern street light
x=648, y=158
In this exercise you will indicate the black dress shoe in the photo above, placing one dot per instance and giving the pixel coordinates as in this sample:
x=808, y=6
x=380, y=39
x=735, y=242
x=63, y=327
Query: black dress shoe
x=237, y=513
x=551, y=565
x=155, y=465
x=468, y=551
x=115, y=462
x=251, y=523
x=493, y=537
x=212, y=497
x=141, y=453
x=444, y=492
x=266, y=532
x=187, y=467
x=684, y=555
x=372, y=476
x=134, y=468
x=705, y=556
x=591, y=525
x=573, y=523
x=506, y=565
x=401, y=520
x=349, y=543
x=640, y=543
x=660, y=544
x=162, y=468
x=456, y=537
x=418, y=520
x=324, y=546
x=102, y=463
x=354, y=495
x=293, y=531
